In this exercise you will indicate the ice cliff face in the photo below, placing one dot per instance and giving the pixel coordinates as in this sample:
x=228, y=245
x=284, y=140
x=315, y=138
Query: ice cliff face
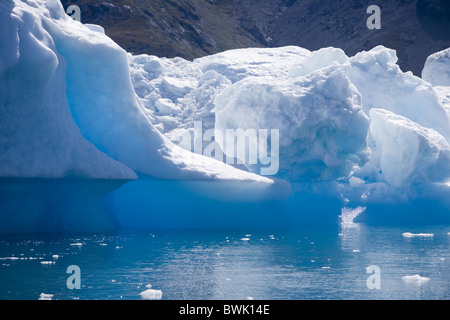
x=38, y=137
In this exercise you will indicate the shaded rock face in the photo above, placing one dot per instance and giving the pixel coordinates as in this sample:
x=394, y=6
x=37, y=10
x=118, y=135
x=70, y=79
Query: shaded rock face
x=191, y=29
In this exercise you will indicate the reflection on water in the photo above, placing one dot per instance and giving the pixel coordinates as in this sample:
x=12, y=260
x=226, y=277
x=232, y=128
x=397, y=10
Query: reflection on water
x=309, y=263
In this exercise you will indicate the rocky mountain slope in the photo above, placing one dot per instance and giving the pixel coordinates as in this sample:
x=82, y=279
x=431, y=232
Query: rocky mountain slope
x=194, y=28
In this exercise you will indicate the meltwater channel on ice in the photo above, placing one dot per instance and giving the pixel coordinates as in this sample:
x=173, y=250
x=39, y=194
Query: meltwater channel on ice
x=93, y=138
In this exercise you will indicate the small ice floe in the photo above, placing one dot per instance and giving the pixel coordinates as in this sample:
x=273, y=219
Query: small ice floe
x=356, y=251
x=10, y=258
x=419, y=235
x=148, y=286
x=77, y=244
x=47, y=262
x=45, y=296
x=55, y=256
x=151, y=294
x=245, y=239
x=415, y=279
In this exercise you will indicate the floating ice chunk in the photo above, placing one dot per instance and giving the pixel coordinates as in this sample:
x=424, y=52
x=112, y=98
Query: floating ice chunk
x=47, y=262
x=437, y=68
x=245, y=239
x=151, y=294
x=77, y=244
x=45, y=296
x=417, y=279
x=420, y=235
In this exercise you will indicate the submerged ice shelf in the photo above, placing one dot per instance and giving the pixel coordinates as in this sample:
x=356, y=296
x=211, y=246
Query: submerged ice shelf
x=94, y=138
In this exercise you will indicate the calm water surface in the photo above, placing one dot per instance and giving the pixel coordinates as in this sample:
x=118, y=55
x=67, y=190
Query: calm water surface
x=308, y=263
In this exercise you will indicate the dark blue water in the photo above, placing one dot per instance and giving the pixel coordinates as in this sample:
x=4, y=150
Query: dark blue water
x=307, y=263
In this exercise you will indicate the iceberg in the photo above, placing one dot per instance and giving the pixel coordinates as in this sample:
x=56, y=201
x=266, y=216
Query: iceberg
x=95, y=138
x=72, y=129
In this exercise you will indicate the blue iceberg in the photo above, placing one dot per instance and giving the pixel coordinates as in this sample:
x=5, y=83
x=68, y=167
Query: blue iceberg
x=93, y=138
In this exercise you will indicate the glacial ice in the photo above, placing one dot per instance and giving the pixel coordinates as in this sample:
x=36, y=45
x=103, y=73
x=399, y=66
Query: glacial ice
x=437, y=68
x=419, y=235
x=46, y=296
x=408, y=152
x=151, y=294
x=73, y=128
x=92, y=137
x=38, y=137
x=323, y=130
x=416, y=279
